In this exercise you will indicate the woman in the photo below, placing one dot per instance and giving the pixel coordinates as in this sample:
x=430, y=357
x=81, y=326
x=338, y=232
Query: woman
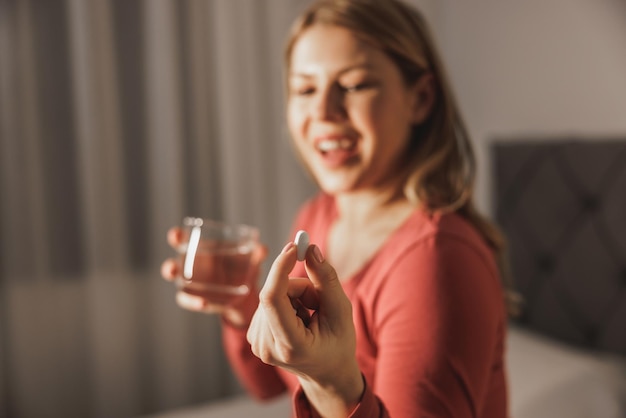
x=398, y=309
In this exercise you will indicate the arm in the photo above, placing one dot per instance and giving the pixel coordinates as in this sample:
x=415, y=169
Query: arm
x=260, y=380
x=437, y=320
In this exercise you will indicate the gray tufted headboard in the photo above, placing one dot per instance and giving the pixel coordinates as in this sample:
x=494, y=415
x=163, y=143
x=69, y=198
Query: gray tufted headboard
x=562, y=206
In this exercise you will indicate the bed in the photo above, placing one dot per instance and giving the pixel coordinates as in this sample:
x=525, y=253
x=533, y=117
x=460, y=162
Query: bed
x=562, y=205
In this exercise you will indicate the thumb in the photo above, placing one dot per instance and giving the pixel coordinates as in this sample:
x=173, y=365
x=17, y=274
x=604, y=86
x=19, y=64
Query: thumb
x=325, y=280
x=274, y=297
x=277, y=282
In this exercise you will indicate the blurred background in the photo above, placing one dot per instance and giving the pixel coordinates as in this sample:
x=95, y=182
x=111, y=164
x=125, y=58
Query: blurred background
x=118, y=118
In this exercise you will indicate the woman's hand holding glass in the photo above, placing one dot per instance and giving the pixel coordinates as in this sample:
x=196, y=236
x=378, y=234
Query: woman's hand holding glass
x=217, y=270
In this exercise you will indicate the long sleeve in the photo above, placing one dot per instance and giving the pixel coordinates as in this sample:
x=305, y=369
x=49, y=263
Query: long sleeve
x=370, y=406
x=260, y=380
x=438, y=325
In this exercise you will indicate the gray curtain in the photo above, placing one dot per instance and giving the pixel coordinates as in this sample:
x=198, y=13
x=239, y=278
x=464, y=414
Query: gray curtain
x=118, y=118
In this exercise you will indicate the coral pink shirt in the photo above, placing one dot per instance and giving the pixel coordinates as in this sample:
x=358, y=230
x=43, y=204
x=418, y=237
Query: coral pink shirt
x=429, y=317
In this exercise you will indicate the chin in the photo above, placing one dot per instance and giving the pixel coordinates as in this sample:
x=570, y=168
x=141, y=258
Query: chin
x=335, y=186
x=336, y=181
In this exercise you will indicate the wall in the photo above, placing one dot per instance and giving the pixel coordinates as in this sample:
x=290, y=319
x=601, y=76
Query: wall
x=535, y=68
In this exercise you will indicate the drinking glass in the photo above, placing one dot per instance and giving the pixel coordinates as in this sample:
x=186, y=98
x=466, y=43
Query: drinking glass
x=217, y=259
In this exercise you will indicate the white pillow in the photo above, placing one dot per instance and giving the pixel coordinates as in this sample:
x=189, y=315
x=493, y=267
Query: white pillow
x=551, y=379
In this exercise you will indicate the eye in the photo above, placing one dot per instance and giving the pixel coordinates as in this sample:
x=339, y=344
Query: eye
x=353, y=88
x=300, y=89
x=303, y=91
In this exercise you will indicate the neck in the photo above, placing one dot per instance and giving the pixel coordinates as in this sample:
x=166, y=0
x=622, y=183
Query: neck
x=366, y=206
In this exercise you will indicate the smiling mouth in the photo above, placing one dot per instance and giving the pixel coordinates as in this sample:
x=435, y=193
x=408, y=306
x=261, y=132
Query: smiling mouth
x=337, y=152
x=330, y=145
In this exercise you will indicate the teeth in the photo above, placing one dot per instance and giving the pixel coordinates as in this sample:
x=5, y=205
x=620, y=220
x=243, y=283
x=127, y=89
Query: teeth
x=332, y=145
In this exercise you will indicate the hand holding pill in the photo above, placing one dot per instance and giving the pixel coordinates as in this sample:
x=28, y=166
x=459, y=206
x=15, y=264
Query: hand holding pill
x=304, y=324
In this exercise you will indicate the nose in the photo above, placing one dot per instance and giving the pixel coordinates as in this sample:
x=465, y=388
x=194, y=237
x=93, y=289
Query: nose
x=328, y=104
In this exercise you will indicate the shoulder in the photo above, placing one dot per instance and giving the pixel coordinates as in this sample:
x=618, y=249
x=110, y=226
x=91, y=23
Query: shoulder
x=455, y=234
x=442, y=239
x=440, y=269
x=435, y=254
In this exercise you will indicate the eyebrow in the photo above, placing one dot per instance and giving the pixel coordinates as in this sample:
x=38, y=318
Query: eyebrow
x=363, y=66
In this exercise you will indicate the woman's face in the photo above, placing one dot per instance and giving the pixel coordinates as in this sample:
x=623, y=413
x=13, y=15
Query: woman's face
x=349, y=110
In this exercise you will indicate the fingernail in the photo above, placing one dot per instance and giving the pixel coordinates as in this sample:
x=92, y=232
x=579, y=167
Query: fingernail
x=188, y=301
x=287, y=247
x=317, y=254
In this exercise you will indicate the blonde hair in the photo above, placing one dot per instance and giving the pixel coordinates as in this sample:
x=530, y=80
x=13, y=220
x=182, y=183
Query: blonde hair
x=441, y=167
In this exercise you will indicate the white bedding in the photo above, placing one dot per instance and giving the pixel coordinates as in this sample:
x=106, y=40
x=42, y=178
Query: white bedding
x=550, y=379
x=547, y=380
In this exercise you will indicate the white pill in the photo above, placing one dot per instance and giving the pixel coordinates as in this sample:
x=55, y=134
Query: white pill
x=302, y=244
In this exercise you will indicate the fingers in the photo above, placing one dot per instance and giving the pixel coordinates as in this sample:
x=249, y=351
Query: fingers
x=170, y=269
x=301, y=311
x=322, y=274
x=302, y=289
x=275, y=300
x=260, y=253
x=324, y=278
x=195, y=303
x=175, y=237
x=301, y=323
x=190, y=302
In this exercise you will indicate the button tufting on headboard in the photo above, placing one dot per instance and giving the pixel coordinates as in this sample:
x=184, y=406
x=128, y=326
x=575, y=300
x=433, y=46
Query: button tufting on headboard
x=546, y=263
x=590, y=203
x=562, y=206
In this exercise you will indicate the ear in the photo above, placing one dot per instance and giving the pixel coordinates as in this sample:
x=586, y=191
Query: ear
x=424, y=96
